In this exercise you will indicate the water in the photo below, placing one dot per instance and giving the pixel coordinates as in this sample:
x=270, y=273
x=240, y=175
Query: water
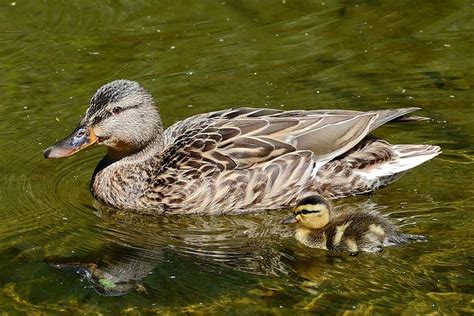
x=197, y=57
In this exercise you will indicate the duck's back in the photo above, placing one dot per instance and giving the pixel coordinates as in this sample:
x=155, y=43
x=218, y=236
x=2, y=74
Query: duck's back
x=251, y=159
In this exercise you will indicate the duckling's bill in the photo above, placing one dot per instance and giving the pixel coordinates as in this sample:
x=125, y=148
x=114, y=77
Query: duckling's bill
x=81, y=138
x=290, y=220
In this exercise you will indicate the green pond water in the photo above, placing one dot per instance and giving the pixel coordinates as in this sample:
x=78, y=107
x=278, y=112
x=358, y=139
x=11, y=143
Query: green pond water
x=198, y=56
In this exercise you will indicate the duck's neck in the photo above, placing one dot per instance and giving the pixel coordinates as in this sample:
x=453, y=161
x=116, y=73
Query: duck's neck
x=120, y=177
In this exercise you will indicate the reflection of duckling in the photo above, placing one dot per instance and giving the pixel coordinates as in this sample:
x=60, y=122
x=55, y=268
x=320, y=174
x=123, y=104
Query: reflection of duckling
x=319, y=227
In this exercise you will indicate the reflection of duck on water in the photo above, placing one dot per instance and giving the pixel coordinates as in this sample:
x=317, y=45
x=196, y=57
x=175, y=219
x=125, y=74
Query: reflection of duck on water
x=236, y=160
x=319, y=227
x=111, y=275
x=142, y=253
x=137, y=246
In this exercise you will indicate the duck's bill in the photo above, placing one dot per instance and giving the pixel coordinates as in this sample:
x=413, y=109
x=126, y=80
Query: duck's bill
x=290, y=220
x=81, y=138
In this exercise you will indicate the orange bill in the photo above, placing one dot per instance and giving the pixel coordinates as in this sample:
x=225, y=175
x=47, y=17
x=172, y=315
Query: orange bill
x=81, y=138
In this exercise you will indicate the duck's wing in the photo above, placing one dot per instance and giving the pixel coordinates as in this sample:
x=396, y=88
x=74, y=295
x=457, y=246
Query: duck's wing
x=240, y=138
x=269, y=185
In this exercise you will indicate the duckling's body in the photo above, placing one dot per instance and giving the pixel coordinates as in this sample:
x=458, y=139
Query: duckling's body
x=319, y=227
x=235, y=160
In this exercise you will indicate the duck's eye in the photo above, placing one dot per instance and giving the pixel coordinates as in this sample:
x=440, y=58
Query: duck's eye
x=117, y=110
x=80, y=133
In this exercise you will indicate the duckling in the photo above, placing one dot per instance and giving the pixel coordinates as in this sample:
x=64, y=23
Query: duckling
x=319, y=227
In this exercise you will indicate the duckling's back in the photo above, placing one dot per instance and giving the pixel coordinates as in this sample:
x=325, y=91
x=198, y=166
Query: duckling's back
x=363, y=231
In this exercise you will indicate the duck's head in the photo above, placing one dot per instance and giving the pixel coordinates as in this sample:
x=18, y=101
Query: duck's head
x=122, y=116
x=313, y=212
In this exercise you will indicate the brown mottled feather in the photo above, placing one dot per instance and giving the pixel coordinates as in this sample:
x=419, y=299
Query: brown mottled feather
x=243, y=160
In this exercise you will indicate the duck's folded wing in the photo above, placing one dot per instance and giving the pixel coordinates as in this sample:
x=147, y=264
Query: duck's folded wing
x=240, y=138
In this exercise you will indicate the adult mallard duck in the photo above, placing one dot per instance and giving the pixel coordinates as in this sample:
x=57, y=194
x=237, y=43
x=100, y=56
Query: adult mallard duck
x=236, y=160
x=319, y=227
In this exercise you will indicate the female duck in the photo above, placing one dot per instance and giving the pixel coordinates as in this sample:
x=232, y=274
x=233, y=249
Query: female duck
x=319, y=227
x=236, y=160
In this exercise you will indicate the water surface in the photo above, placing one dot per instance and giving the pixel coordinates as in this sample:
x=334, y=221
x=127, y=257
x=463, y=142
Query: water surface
x=202, y=56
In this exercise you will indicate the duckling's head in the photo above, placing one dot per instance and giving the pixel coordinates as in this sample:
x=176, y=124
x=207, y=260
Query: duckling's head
x=313, y=212
x=122, y=116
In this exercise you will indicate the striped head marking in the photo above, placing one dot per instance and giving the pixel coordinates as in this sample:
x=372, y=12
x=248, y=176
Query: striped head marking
x=313, y=212
x=123, y=116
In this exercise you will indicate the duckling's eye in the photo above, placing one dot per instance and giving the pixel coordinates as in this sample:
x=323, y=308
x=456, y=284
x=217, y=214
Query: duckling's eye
x=305, y=212
x=117, y=110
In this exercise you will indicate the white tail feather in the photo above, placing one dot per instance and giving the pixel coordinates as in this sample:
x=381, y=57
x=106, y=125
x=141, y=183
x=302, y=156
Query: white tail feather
x=406, y=157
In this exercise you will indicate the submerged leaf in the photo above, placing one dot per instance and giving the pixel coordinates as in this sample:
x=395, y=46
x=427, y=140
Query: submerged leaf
x=106, y=283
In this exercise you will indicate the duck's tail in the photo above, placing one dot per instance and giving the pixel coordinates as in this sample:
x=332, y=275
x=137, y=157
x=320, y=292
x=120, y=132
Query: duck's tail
x=371, y=165
x=403, y=158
